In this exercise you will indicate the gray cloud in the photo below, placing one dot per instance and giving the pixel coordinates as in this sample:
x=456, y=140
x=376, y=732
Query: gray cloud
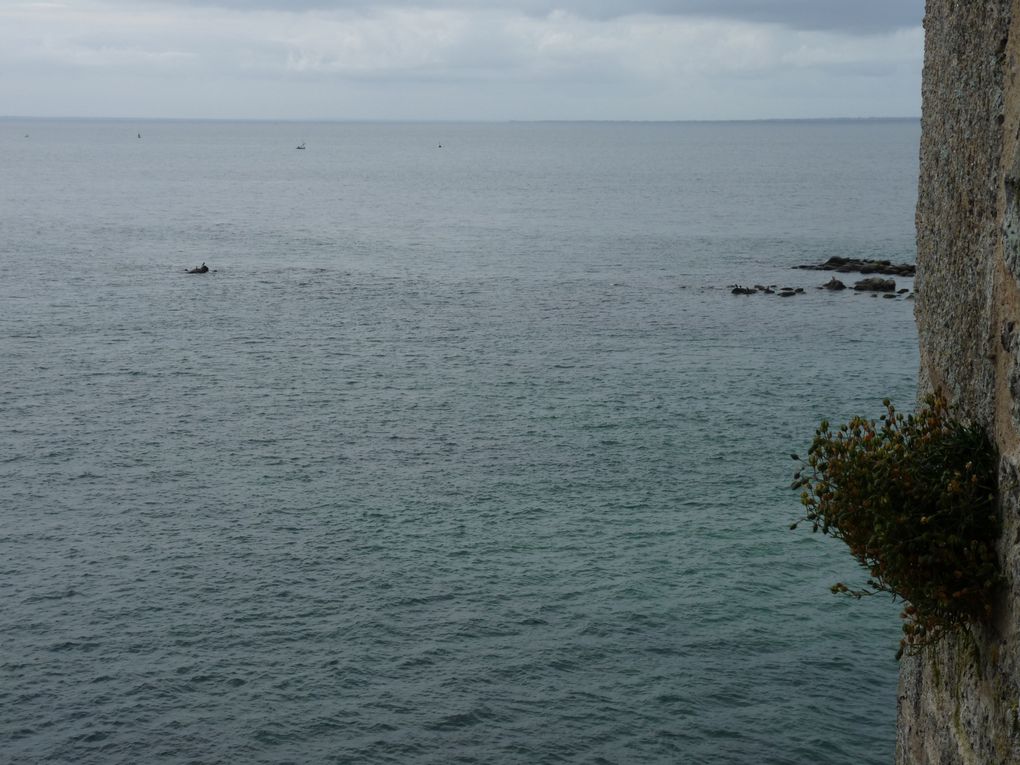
x=461, y=59
x=848, y=16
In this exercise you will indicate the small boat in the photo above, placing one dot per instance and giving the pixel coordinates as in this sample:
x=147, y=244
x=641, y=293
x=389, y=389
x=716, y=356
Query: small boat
x=301, y=145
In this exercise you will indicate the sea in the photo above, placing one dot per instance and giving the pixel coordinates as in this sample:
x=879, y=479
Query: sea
x=463, y=451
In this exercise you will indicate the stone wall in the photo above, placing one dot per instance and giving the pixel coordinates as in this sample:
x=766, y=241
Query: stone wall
x=958, y=702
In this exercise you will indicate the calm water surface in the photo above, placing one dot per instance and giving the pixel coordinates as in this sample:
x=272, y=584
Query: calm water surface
x=462, y=454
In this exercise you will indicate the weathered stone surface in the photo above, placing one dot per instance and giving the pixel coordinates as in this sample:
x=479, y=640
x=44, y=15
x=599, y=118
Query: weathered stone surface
x=959, y=701
x=958, y=190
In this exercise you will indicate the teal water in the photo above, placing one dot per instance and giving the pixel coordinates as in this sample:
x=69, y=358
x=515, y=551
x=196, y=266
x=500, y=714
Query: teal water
x=461, y=455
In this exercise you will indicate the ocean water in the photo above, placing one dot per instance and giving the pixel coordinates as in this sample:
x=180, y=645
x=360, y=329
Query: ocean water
x=461, y=454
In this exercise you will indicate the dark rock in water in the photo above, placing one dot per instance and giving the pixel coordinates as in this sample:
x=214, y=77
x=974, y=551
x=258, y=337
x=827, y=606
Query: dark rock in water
x=787, y=292
x=890, y=296
x=855, y=265
x=834, y=284
x=799, y=289
x=902, y=291
x=738, y=290
x=875, y=284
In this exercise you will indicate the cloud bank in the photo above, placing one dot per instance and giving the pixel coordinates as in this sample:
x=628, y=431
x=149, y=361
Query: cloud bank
x=459, y=59
x=860, y=16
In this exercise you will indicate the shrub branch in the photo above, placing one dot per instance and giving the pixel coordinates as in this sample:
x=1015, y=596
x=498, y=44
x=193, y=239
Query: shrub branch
x=914, y=498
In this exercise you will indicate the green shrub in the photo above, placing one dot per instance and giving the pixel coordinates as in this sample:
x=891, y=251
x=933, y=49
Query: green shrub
x=914, y=498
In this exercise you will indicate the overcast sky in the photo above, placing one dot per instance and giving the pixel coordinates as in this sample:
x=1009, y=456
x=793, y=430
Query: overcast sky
x=461, y=59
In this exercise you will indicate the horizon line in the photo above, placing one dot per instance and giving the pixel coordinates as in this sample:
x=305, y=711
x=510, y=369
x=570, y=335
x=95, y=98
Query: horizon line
x=439, y=121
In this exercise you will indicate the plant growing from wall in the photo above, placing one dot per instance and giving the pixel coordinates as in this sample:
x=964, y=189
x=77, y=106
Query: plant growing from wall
x=914, y=498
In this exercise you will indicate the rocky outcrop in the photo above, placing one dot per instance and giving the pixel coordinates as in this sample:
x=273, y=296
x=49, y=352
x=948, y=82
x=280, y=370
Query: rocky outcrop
x=959, y=701
x=737, y=289
x=855, y=265
x=875, y=284
x=872, y=284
